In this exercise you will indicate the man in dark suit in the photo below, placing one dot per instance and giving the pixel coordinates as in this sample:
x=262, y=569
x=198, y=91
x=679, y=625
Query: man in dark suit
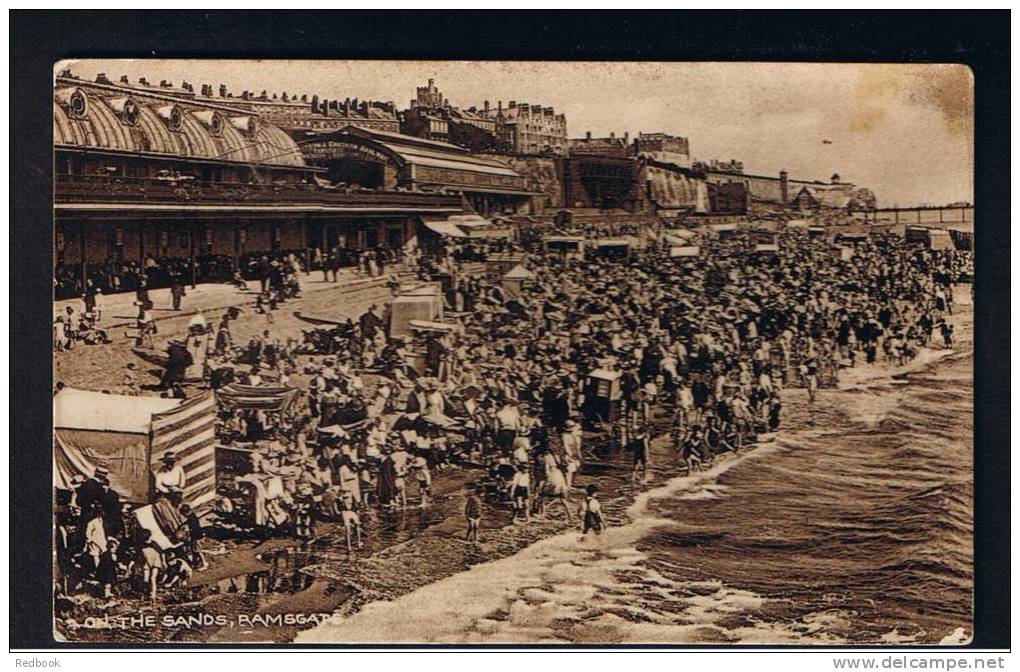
x=90, y=494
x=113, y=513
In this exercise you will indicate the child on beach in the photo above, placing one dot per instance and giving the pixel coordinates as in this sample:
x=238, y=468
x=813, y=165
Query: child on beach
x=420, y=468
x=639, y=446
x=345, y=506
x=520, y=488
x=591, y=512
x=473, y=512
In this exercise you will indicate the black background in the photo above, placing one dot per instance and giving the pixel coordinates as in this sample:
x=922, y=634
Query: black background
x=979, y=39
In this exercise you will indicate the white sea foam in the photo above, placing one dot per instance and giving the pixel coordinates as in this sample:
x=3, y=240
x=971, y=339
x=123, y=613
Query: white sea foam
x=564, y=584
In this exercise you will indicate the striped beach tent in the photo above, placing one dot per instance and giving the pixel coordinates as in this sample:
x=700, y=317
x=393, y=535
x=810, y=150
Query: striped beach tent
x=127, y=436
x=189, y=432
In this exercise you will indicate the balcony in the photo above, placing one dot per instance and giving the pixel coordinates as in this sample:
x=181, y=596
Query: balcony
x=97, y=189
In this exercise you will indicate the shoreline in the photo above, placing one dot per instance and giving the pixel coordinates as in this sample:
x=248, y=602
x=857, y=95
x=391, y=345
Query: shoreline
x=494, y=576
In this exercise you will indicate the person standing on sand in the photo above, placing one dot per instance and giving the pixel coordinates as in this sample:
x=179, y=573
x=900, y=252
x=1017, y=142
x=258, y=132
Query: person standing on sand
x=473, y=511
x=591, y=513
x=520, y=490
x=639, y=446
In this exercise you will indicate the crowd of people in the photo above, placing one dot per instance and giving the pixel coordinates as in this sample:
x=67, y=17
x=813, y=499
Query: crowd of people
x=103, y=552
x=595, y=355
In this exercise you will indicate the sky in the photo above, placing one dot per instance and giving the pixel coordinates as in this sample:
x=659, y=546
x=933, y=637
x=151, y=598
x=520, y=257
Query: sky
x=904, y=131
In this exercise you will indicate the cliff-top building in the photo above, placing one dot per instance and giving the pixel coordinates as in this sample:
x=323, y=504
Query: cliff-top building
x=531, y=129
x=663, y=148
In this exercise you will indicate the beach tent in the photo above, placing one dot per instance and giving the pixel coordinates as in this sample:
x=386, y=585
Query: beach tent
x=963, y=240
x=513, y=281
x=498, y=265
x=128, y=436
x=939, y=239
x=408, y=307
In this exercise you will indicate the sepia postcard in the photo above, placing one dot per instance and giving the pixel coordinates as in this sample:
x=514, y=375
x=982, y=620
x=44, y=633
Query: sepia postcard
x=495, y=352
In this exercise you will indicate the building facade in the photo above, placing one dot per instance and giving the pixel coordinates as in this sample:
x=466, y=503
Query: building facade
x=144, y=179
x=766, y=192
x=663, y=148
x=392, y=161
x=611, y=146
x=531, y=129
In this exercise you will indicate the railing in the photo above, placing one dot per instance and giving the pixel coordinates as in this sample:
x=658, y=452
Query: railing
x=81, y=188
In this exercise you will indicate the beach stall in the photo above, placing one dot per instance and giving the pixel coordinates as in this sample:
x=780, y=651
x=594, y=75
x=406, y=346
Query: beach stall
x=684, y=251
x=724, y=230
x=616, y=249
x=128, y=436
x=603, y=396
x=569, y=247
x=418, y=334
x=764, y=241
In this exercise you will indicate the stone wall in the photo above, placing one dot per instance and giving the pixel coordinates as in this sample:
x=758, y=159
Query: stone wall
x=542, y=175
x=675, y=189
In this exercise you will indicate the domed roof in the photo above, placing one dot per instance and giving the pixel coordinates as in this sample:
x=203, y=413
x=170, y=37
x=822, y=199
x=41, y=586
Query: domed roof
x=97, y=119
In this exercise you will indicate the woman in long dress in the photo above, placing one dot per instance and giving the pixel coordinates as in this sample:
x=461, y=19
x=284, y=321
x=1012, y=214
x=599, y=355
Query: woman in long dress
x=555, y=486
x=386, y=488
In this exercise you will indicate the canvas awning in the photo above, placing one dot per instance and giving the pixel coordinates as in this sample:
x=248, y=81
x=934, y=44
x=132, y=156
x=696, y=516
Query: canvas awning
x=98, y=412
x=444, y=227
x=678, y=238
x=236, y=395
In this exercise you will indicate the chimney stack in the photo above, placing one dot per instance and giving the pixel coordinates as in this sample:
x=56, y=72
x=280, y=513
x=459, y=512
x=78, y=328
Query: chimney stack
x=124, y=79
x=784, y=187
x=587, y=135
x=143, y=81
x=223, y=90
x=101, y=78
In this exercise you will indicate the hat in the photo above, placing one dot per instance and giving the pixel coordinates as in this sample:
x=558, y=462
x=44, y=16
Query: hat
x=168, y=456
